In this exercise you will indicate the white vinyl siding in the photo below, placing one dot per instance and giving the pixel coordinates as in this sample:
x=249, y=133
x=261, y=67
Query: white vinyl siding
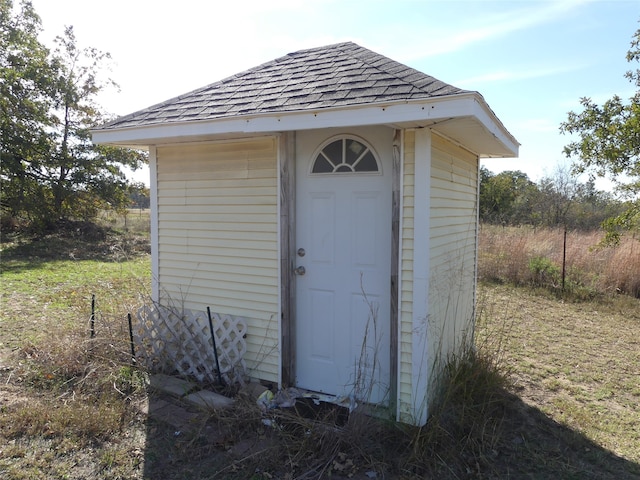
x=405, y=406
x=452, y=243
x=452, y=263
x=218, y=237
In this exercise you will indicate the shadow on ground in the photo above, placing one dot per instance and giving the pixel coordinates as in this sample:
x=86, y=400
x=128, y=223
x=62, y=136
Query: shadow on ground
x=79, y=241
x=533, y=445
x=183, y=444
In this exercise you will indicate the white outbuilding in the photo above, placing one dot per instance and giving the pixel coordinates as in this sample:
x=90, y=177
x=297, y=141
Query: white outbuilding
x=330, y=199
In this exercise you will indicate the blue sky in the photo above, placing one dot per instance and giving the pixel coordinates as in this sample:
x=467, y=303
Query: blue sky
x=531, y=60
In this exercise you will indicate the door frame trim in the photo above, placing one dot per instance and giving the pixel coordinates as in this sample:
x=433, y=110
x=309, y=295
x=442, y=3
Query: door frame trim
x=287, y=192
x=287, y=213
x=394, y=283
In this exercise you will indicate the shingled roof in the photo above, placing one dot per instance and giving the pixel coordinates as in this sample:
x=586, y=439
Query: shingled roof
x=339, y=75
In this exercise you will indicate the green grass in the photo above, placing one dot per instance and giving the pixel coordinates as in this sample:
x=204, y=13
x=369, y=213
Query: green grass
x=37, y=294
x=49, y=282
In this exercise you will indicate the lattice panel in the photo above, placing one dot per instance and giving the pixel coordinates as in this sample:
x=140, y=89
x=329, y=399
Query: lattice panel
x=167, y=339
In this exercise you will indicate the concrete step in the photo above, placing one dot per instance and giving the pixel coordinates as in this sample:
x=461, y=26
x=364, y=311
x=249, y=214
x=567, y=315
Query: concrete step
x=206, y=400
x=169, y=385
x=188, y=393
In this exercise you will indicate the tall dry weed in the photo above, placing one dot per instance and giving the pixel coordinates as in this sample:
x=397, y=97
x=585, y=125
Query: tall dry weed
x=506, y=254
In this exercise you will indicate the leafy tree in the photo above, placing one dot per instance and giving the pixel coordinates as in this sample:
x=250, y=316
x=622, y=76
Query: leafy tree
x=26, y=90
x=504, y=197
x=139, y=195
x=557, y=200
x=608, y=144
x=50, y=169
x=78, y=170
x=558, y=193
x=592, y=207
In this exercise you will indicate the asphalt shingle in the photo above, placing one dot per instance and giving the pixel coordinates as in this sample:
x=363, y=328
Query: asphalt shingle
x=343, y=74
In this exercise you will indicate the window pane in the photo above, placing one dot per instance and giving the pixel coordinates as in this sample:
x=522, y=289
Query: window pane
x=353, y=151
x=334, y=152
x=367, y=164
x=322, y=165
x=344, y=168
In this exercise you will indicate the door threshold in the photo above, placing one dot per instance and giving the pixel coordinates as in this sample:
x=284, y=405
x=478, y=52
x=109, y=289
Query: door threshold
x=344, y=404
x=340, y=401
x=323, y=408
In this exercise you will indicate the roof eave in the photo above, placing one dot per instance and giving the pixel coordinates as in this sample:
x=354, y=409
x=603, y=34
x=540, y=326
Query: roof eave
x=404, y=114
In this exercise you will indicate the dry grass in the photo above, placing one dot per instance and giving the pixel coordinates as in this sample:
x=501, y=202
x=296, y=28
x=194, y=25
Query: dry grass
x=549, y=392
x=578, y=363
x=133, y=219
x=506, y=255
x=309, y=442
x=65, y=403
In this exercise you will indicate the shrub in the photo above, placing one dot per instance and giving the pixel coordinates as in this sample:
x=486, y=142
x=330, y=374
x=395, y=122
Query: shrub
x=544, y=272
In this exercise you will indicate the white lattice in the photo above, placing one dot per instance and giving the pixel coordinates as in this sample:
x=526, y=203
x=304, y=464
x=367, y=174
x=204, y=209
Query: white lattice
x=181, y=341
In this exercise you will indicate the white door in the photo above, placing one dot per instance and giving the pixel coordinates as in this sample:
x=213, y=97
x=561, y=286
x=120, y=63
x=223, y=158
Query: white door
x=343, y=238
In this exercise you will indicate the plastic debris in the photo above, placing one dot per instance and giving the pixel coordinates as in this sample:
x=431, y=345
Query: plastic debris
x=268, y=422
x=282, y=399
x=285, y=398
x=264, y=400
x=347, y=402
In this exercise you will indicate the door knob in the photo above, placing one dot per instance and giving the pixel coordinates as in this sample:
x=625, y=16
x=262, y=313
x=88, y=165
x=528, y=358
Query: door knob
x=300, y=270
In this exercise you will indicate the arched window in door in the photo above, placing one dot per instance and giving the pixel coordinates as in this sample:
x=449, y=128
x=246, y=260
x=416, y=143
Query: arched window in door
x=345, y=155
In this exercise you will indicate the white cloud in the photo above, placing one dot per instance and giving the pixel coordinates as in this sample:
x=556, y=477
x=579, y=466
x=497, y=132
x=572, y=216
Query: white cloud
x=523, y=15
x=514, y=75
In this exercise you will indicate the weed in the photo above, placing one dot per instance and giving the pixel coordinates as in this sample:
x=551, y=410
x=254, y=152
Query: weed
x=466, y=424
x=521, y=255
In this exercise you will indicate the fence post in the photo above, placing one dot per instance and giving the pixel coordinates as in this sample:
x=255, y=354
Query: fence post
x=92, y=326
x=133, y=348
x=564, y=258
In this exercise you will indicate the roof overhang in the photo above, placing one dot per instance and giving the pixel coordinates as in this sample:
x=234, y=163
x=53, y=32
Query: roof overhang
x=465, y=118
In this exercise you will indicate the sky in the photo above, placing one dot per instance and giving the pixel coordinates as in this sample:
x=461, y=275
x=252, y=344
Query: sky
x=531, y=60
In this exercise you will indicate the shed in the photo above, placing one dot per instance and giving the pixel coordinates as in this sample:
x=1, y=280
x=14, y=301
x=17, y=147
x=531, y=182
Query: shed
x=330, y=198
